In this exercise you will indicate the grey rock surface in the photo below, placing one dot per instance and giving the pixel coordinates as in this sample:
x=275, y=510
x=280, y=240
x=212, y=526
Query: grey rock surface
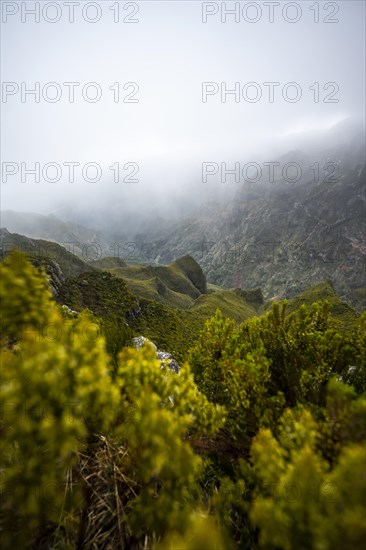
x=163, y=356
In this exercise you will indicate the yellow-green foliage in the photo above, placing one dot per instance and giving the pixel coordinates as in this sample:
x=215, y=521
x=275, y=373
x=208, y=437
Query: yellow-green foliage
x=343, y=315
x=300, y=501
x=24, y=296
x=58, y=397
x=256, y=370
x=202, y=534
x=168, y=412
x=232, y=375
x=229, y=302
x=54, y=386
x=260, y=445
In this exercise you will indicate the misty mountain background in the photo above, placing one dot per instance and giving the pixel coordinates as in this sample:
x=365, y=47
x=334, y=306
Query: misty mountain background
x=278, y=235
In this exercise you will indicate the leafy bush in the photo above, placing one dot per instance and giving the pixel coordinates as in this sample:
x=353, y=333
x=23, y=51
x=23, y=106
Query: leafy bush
x=61, y=407
x=301, y=501
x=258, y=442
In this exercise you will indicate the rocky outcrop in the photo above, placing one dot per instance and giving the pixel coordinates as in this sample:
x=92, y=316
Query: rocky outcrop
x=164, y=357
x=134, y=311
x=55, y=276
x=140, y=341
x=70, y=312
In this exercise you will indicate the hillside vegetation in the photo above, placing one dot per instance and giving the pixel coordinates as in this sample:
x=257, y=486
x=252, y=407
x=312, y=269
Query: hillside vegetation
x=258, y=442
x=175, y=285
x=167, y=304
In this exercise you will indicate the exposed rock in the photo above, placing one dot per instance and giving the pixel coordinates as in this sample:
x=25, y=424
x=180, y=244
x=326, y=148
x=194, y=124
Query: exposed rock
x=163, y=356
x=140, y=341
x=134, y=311
x=69, y=310
x=56, y=276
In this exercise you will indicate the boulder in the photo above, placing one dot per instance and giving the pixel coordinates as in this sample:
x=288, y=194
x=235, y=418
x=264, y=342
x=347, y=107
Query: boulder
x=141, y=341
x=163, y=356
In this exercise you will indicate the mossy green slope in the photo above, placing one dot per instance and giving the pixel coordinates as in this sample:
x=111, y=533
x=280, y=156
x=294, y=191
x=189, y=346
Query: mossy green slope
x=100, y=292
x=155, y=290
x=230, y=302
x=108, y=262
x=108, y=297
x=192, y=270
x=175, y=329
x=164, y=303
x=42, y=253
x=341, y=312
x=176, y=285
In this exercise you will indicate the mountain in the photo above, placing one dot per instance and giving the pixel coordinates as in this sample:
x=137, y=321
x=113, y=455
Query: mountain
x=58, y=262
x=175, y=285
x=124, y=297
x=130, y=301
x=294, y=226
x=283, y=236
x=82, y=241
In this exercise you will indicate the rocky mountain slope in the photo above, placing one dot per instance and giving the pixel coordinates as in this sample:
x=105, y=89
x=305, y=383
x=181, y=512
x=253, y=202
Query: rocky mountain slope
x=301, y=222
x=75, y=237
x=123, y=298
x=285, y=237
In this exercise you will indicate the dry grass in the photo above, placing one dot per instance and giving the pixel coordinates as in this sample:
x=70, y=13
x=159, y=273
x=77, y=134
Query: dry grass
x=108, y=494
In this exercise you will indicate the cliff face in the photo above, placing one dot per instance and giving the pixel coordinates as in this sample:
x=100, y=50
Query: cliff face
x=285, y=237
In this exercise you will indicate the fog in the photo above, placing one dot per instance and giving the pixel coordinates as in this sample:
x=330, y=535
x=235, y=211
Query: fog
x=173, y=123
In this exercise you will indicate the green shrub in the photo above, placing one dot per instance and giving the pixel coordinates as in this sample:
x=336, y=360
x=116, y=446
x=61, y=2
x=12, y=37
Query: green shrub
x=258, y=442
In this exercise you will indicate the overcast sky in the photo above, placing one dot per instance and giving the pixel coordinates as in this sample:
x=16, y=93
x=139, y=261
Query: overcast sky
x=168, y=53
